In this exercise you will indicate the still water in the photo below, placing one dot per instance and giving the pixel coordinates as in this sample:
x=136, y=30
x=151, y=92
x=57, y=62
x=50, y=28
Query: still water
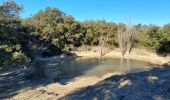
x=94, y=67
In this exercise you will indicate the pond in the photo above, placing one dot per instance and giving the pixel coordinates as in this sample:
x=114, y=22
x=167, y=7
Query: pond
x=94, y=67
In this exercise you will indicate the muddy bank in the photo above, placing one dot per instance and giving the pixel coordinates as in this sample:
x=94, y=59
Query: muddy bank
x=136, y=54
x=109, y=86
x=147, y=85
x=15, y=87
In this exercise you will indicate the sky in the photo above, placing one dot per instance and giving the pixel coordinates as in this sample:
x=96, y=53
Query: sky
x=139, y=11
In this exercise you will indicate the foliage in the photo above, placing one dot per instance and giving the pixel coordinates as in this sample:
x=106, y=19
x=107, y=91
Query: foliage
x=19, y=38
x=9, y=34
x=52, y=25
x=95, y=30
x=164, y=40
x=152, y=36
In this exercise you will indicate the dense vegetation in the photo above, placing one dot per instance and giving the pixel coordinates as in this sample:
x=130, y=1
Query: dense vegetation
x=19, y=38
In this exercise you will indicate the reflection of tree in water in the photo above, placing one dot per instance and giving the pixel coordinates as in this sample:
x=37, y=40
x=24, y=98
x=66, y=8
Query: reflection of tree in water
x=124, y=65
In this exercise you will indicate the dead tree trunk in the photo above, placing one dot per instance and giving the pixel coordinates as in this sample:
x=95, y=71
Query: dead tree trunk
x=104, y=40
x=130, y=41
x=36, y=65
x=126, y=39
x=122, y=40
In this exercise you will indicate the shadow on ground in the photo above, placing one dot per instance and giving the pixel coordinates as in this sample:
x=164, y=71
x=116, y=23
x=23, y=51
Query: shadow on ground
x=12, y=80
x=147, y=85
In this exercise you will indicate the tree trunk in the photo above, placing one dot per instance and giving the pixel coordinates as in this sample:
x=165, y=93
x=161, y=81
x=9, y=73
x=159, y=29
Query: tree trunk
x=102, y=46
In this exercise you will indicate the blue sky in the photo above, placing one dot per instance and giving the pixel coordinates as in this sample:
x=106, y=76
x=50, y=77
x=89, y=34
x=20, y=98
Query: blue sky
x=140, y=11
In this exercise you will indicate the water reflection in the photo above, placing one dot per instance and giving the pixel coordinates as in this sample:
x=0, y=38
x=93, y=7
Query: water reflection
x=92, y=67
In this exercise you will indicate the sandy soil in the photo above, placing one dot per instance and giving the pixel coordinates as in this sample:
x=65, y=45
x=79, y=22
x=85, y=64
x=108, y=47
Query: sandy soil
x=137, y=54
x=48, y=89
x=147, y=85
x=55, y=91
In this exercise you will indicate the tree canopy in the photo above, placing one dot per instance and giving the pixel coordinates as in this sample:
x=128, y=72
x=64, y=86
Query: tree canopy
x=20, y=37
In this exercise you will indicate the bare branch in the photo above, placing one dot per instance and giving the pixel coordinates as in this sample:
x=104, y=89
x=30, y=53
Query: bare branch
x=126, y=39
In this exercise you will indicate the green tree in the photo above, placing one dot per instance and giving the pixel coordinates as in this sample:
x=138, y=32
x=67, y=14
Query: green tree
x=95, y=30
x=52, y=25
x=164, y=40
x=148, y=37
x=9, y=33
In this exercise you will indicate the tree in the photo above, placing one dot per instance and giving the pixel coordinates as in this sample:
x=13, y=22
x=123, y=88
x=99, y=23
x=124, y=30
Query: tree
x=10, y=29
x=96, y=29
x=126, y=38
x=65, y=32
x=148, y=37
x=164, y=40
x=100, y=33
x=53, y=27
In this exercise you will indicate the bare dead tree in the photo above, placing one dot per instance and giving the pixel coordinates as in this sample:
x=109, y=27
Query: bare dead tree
x=122, y=40
x=126, y=39
x=102, y=45
x=130, y=41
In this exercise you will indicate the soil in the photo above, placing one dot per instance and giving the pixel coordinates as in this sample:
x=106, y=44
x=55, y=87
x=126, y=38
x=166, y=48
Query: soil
x=147, y=85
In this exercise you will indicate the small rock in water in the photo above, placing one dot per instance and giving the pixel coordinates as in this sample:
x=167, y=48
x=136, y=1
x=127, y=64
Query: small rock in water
x=152, y=78
x=63, y=56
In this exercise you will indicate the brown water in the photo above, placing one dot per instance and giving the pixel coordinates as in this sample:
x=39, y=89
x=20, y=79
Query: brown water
x=92, y=67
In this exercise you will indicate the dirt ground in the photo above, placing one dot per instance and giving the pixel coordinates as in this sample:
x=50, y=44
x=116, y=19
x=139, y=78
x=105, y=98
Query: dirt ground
x=147, y=85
